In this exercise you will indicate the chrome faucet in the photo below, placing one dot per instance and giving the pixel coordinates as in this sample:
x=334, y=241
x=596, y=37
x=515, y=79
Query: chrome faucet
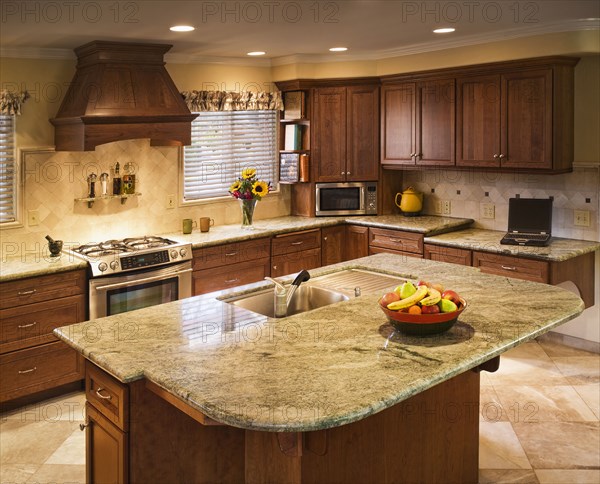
x=284, y=295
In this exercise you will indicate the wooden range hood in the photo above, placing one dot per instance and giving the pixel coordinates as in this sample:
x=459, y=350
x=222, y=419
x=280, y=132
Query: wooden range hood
x=121, y=91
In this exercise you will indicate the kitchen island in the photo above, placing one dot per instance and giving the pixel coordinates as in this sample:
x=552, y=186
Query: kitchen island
x=204, y=391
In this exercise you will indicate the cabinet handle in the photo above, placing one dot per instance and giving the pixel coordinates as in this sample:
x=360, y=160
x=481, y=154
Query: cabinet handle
x=495, y=156
x=298, y=243
x=502, y=156
x=230, y=254
x=231, y=280
x=27, y=293
x=31, y=370
x=509, y=268
x=412, y=155
x=103, y=397
x=343, y=173
x=274, y=268
x=325, y=238
x=23, y=326
x=391, y=239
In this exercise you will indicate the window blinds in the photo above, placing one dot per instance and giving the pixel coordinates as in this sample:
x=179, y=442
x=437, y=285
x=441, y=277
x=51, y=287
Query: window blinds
x=7, y=169
x=225, y=142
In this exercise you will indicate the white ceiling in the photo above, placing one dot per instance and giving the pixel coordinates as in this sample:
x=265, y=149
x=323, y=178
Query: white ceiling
x=371, y=29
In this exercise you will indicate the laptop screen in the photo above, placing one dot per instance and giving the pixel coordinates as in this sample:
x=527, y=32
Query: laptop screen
x=531, y=215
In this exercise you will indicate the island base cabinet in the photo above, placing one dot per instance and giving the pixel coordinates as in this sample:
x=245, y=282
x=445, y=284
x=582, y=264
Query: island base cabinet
x=432, y=437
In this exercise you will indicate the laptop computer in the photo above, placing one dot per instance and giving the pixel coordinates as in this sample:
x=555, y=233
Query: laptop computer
x=529, y=222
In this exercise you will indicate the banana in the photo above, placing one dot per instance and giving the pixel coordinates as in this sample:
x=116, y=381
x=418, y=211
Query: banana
x=409, y=301
x=434, y=296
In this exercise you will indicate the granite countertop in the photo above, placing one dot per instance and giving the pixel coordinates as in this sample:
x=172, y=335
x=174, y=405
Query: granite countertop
x=489, y=241
x=322, y=368
x=32, y=265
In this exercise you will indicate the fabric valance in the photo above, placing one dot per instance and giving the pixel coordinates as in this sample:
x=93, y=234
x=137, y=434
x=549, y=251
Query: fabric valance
x=11, y=102
x=202, y=101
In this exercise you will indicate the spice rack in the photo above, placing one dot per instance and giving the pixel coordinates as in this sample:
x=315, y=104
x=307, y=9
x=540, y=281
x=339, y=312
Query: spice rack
x=123, y=197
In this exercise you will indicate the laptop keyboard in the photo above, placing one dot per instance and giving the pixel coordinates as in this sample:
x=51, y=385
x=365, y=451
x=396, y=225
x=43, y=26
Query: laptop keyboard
x=526, y=236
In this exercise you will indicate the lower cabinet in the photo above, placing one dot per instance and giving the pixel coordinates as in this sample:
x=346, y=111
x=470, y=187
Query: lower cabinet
x=453, y=255
x=332, y=244
x=509, y=266
x=295, y=251
x=357, y=242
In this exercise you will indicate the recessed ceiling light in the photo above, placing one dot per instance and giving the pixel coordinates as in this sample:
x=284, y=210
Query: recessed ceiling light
x=181, y=28
x=445, y=30
x=338, y=49
x=257, y=52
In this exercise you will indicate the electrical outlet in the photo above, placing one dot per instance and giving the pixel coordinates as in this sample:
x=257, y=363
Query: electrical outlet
x=33, y=217
x=446, y=208
x=582, y=218
x=438, y=206
x=170, y=201
x=488, y=210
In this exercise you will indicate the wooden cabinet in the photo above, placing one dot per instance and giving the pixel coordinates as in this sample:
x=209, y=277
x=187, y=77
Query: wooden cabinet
x=107, y=427
x=345, y=133
x=510, y=266
x=517, y=119
x=442, y=253
x=332, y=244
x=230, y=265
x=418, y=122
x=395, y=242
x=357, y=242
x=32, y=360
x=295, y=251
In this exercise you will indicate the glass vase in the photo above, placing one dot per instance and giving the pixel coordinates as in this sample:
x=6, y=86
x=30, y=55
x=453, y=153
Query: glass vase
x=247, y=207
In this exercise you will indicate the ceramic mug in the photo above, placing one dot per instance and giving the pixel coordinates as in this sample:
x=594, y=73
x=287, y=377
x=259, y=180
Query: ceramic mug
x=206, y=223
x=188, y=225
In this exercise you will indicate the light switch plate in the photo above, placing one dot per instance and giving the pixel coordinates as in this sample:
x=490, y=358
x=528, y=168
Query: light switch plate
x=488, y=210
x=446, y=207
x=582, y=218
x=33, y=218
x=170, y=201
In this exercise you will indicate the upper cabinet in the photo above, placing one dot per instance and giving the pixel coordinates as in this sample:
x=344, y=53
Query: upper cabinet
x=418, y=122
x=345, y=133
x=515, y=115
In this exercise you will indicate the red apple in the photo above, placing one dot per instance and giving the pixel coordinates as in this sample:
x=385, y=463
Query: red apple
x=430, y=309
x=452, y=295
x=389, y=297
x=424, y=283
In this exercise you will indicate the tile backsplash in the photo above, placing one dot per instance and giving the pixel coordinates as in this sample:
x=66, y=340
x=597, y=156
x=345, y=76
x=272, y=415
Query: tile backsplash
x=52, y=181
x=469, y=191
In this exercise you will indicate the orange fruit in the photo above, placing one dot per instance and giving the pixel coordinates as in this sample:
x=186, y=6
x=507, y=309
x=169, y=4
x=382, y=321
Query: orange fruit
x=414, y=310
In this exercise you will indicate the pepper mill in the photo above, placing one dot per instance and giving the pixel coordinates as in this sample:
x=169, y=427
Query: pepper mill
x=104, y=183
x=92, y=185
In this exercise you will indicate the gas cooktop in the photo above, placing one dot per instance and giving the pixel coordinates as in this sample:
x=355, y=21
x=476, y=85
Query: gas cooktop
x=115, y=256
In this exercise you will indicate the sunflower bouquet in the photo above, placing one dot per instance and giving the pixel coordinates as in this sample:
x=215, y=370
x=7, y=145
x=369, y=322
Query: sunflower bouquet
x=248, y=187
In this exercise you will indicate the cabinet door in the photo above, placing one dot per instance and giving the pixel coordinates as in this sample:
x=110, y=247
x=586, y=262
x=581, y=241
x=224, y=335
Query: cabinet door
x=329, y=134
x=398, y=119
x=435, y=122
x=362, y=133
x=442, y=253
x=357, y=242
x=332, y=244
x=285, y=264
x=232, y=275
x=478, y=121
x=527, y=119
x=106, y=450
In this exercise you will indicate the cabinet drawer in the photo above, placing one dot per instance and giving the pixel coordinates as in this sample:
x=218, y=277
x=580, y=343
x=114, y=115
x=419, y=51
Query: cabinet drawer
x=35, y=369
x=448, y=254
x=32, y=324
x=108, y=395
x=381, y=250
x=282, y=265
x=288, y=243
x=220, y=255
x=42, y=288
x=396, y=240
x=209, y=280
x=504, y=265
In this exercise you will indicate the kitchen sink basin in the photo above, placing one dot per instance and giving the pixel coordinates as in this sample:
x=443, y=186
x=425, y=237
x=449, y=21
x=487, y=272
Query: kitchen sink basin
x=305, y=298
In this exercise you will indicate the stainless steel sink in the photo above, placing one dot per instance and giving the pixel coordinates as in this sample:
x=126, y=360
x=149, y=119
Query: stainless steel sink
x=306, y=298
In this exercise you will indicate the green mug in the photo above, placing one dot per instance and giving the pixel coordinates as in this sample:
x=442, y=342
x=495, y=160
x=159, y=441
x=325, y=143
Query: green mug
x=188, y=225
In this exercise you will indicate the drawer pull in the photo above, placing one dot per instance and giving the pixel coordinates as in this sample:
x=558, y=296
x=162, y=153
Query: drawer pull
x=509, y=268
x=23, y=326
x=31, y=370
x=27, y=293
x=230, y=254
x=298, y=243
x=392, y=239
x=83, y=426
x=231, y=280
x=103, y=397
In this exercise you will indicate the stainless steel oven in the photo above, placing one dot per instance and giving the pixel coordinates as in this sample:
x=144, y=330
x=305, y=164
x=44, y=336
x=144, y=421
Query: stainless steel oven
x=356, y=198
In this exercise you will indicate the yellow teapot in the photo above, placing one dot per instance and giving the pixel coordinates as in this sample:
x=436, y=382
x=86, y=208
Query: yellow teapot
x=411, y=202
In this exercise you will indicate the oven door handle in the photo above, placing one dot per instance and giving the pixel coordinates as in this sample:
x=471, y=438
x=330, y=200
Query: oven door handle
x=141, y=281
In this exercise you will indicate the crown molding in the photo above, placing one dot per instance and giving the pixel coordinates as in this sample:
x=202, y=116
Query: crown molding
x=37, y=53
x=205, y=59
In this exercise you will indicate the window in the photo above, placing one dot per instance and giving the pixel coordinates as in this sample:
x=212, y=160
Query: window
x=7, y=169
x=225, y=142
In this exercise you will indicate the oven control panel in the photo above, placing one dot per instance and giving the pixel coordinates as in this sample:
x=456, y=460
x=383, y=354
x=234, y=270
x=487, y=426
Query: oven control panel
x=137, y=261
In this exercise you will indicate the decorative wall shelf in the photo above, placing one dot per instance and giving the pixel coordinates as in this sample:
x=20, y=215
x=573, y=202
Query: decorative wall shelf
x=123, y=197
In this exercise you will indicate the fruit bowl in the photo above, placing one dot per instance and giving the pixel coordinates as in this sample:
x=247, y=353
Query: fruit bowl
x=423, y=324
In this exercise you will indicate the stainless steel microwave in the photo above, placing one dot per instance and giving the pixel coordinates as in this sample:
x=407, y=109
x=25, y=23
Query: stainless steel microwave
x=356, y=198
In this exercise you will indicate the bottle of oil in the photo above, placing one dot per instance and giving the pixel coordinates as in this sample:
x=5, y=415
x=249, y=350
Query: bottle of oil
x=117, y=184
x=128, y=180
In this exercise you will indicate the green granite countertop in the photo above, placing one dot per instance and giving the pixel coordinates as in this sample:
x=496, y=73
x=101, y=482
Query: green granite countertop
x=322, y=368
x=489, y=241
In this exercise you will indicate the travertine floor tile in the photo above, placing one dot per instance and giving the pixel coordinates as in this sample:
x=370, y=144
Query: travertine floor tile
x=553, y=349
x=16, y=473
x=64, y=474
x=579, y=370
x=591, y=396
x=499, y=447
x=544, y=404
x=490, y=408
x=569, y=476
x=70, y=407
x=506, y=476
x=560, y=445
x=72, y=450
